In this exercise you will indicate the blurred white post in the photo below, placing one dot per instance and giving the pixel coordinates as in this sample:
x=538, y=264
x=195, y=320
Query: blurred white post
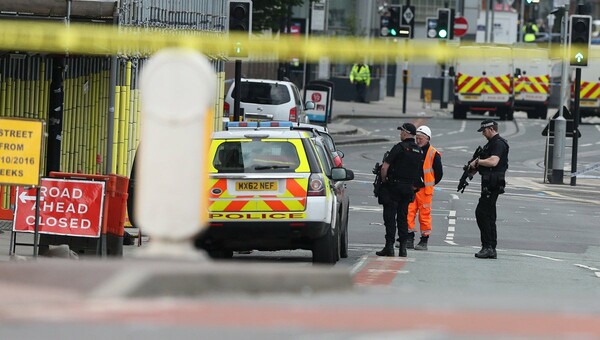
x=178, y=88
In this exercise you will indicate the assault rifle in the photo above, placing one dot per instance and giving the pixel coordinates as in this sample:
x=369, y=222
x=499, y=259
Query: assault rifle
x=377, y=183
x=468, y=173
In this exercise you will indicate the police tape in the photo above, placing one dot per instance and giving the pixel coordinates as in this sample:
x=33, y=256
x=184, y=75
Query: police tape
x=100, y=39
x=588, y=169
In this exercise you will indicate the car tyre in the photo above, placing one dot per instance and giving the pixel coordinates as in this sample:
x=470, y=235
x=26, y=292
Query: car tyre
x=323, y=249
x=459, y=112
x=344, y=236
x=220, y=254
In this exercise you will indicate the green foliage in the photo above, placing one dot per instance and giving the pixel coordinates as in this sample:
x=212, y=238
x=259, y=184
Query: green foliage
x=272, y=13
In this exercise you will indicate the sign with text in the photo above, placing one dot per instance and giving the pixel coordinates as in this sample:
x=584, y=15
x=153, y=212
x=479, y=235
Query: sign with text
x=67, y=207
x=20, y=151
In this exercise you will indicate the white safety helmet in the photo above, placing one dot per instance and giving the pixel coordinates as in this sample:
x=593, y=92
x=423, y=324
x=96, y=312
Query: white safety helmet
x=424, y=130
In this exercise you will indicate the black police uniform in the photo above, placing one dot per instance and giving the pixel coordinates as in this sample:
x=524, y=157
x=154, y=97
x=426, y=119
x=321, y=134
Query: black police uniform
x=492, y=185
x=404, y=175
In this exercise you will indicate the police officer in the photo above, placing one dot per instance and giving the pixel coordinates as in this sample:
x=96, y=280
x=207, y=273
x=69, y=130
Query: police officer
x=360, y=76
x=491, y=165
x=529, y=30
x=401, y=174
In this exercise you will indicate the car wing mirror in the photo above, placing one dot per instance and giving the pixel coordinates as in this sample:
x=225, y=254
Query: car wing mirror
x=340, y=153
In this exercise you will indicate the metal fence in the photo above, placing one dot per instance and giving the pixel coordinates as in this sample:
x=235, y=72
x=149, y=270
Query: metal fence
x=101, y=102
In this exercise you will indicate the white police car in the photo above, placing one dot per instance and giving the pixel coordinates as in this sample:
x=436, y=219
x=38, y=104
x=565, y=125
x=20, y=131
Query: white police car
x=268, y=190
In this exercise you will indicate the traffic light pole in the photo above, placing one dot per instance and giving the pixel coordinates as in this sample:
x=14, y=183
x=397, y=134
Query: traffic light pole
x=575, y=124
x=238, y=91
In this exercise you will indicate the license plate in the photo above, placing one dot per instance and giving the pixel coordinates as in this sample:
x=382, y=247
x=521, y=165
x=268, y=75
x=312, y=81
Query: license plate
x=587, y=103
x=470, y=97
x=256, y=186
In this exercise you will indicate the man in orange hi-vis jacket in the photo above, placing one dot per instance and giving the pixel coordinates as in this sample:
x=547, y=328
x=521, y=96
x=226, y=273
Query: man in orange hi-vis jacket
x=432, y=175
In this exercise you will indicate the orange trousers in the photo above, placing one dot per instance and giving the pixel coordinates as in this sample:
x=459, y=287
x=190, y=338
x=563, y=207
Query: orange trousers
x=421, y=205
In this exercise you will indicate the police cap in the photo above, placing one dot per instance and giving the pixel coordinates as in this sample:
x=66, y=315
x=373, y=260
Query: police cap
x=486, y=124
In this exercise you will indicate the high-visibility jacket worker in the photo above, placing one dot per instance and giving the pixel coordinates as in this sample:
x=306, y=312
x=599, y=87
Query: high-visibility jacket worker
x=432, y=175
x=530, y=29
x=360, y=76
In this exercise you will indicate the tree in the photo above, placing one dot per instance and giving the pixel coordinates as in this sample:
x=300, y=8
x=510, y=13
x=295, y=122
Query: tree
x=272, y=14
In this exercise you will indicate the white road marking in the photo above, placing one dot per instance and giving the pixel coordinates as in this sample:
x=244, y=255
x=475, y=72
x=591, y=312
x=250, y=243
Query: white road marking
x=375, y=209
x=587, y=144
x=586, y=267
x=451, y=228
x=359, y=264
x=395, y=259
x=543, y=257
x=375, y=270
x=454, y=196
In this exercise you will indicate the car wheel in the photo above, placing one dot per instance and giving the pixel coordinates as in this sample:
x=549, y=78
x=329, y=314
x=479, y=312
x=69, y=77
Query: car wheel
x=459, y=112
x=337, y=237
x=220, y=254
x=532, y=114
x=323, y=249
x=344, y=236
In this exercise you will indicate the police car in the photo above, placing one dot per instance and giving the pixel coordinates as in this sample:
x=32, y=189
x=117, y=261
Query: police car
x=268, y=190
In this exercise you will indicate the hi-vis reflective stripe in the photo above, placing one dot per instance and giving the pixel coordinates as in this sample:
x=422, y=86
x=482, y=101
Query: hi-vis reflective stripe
x=469, y=84
x=221, y=199
x=589, y=90
x=532, y=84
x=256, y=216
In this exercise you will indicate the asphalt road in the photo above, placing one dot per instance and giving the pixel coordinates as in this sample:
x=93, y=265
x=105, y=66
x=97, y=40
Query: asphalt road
x=544, y=284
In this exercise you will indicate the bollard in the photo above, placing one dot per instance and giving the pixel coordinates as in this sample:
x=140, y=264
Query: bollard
x=178, y=87
x=558, y=152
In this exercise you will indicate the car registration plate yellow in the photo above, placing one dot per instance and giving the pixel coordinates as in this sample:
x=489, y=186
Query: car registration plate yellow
x=471, y=96
x=256, y=186
x=587, y=103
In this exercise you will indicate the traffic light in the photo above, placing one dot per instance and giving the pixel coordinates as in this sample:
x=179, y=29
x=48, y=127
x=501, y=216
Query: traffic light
x=579, y=39
x=239, y=21
x=389, y=25
x=443, y=24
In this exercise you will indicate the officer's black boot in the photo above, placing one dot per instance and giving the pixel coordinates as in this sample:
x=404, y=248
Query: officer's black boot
x=486, y=252
x=388, y=250
x=402, y=252
x=422, y=243
x=410, y=241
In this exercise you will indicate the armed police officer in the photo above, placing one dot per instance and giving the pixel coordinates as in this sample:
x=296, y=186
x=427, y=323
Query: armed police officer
x=401, y=173
x=491, y=165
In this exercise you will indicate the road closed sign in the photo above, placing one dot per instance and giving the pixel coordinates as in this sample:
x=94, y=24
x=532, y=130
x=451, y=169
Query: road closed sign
x=20, y=151
x=66, y=207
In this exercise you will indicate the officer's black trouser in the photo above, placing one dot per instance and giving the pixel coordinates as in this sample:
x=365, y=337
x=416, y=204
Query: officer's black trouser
x=361, y=92
x=394, y=214
x=486, y=217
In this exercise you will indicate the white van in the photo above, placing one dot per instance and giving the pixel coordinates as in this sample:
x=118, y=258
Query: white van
x=483, y=82
x=532, y=81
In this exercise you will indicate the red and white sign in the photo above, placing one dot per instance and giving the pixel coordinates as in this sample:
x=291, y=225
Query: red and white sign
x=67, y=207
x=460, y=26
x=316, y=97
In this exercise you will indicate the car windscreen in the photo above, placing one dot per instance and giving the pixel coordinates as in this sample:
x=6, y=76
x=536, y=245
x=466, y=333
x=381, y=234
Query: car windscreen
x=256, y=156
x=263, y=93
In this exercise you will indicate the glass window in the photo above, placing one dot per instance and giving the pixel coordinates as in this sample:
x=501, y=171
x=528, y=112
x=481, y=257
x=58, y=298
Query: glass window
x=263, y=93
x=325, y=158
x=256, y=157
